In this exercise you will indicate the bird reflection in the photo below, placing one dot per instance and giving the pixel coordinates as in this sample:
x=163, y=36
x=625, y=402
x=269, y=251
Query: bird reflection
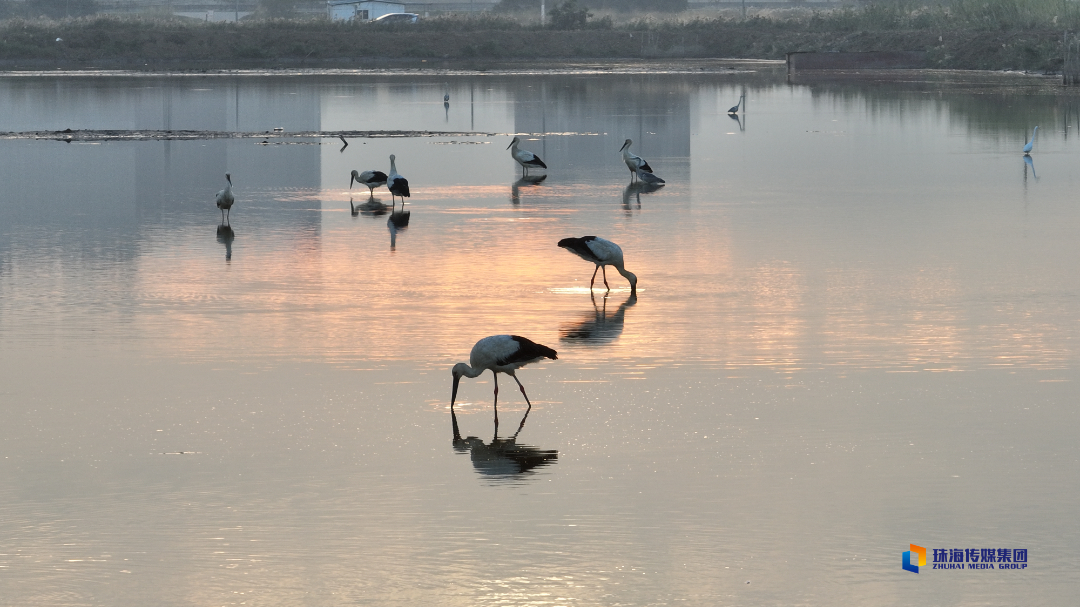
x=632, y=194
x=502, y=459
x=738, y=118
x=599, y=327
x=446, y=107
x=1029, y=163
x=399, y=220
x=225, y=236
x=372, y=208
x=524, y=182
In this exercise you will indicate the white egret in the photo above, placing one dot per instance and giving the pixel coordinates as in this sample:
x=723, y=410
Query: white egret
x=1027, y=148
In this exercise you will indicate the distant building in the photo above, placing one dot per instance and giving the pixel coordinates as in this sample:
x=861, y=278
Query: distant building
x=344, y=10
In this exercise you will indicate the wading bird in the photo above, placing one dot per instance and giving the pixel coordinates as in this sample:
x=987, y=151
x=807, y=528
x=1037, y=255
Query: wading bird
x=225, y=198
x=398, y=185
x=1027, y=148
x=603, y=253
x=500, y=354
x=633, y=161
x=649, y=178
x=524, y=157
x=372, y=179
x=735, y=108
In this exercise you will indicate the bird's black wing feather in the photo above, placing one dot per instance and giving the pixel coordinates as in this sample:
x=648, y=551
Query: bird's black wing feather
x=528, y=350
x=400, y=187
x=645, y=166
x=536, y=162
x=580, y=247
x=378, y=176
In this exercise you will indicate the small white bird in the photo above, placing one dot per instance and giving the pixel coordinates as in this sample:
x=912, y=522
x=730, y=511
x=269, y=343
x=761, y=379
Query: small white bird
x=524, y=157
x=372, y=179
x=398, y=185
x=633, y=161
x=603, y=253
x=500, y=354
x=225, y=198
x=1027, y=148
x=735, y=108
x=649, y=178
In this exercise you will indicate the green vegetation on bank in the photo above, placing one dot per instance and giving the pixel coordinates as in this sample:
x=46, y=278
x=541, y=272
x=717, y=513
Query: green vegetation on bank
x=964, y=34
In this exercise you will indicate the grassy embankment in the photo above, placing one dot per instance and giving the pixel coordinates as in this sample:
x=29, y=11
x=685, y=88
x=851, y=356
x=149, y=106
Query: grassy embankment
x=964, y=34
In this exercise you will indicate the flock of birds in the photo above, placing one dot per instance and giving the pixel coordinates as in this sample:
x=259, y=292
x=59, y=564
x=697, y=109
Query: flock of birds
x=508, y=353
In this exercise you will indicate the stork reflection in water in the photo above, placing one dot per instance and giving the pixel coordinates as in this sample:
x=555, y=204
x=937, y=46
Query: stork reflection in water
x=398, y=221
x=225, y=236
x=599, y=327
x=633, y=192
x=373, y=207
x=502, y=459
x=525, y=182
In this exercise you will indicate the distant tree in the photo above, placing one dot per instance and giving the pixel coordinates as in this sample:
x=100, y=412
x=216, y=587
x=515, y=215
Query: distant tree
x=569, y=16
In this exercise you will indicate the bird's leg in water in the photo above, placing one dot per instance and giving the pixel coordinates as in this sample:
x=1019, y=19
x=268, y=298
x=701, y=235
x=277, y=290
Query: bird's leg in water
x=591, y=282
x=526, y=400
x=605, y=277
x=496, y=377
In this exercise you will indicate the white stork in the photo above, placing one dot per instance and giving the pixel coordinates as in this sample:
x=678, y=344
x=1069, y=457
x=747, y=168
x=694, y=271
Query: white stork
x=524, y=157
x=633, y=161
x=603, y=253
x=500, y=354
x=1030, y=144
x=225, y=198
x=398, y=185
x=372, y=179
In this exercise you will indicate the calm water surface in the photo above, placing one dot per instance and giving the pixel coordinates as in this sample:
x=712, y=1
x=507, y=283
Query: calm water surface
x=856, y=328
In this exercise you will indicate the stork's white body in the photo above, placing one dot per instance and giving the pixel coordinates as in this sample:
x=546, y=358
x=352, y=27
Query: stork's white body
x=525, y=158
x=372, y=179
x=225, y=198
x=633, y=161
x=398, y=185
x=603, y=253
x=500, y=354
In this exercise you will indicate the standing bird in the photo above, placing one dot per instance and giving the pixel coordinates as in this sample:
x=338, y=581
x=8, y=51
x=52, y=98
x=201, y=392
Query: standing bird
x=649, y=178
x=1027, y=148
x=398, y=185
x=524, y=157
x=603, y=253
x=225, y=198
x=500, y=354
x=372, y=179
x=633, y=161
x=446, y=97
x=735, y=108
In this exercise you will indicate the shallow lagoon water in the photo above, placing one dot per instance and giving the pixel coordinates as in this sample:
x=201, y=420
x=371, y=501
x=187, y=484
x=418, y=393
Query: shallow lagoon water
x=855, y=330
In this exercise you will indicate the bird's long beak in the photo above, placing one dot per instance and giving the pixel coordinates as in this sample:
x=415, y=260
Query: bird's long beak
x=453, y=394
x=352, y=178
x=511, y=145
